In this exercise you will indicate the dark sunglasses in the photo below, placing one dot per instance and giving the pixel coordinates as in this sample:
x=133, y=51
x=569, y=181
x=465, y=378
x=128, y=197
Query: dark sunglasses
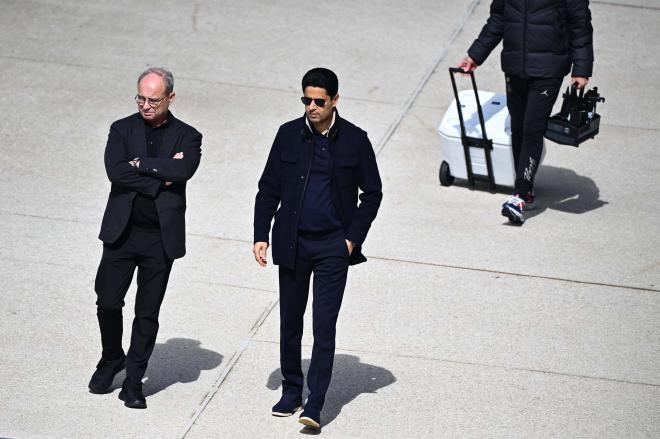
x=318, y=101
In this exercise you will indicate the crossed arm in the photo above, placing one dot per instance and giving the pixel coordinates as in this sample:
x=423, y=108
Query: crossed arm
x=121, y=172
x=181, y=167
x=136, y=164
x=149, y=174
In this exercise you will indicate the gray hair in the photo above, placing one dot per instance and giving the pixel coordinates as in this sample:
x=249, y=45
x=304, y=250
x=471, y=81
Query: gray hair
x=168, y=79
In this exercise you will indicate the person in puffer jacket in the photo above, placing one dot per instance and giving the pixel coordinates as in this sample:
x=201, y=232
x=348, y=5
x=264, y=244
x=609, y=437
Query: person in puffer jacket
x=543, y=41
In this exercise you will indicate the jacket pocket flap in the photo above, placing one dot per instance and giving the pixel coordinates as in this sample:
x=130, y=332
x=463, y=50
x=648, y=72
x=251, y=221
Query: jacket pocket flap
x=289, y=156
x=348, y=161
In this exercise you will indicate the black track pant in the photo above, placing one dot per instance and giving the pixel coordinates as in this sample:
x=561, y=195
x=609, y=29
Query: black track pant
x=530, y=102
x=143, y=249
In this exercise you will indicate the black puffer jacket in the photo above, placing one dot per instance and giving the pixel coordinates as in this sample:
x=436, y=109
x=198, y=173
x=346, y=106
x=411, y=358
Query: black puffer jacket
x=541, y=38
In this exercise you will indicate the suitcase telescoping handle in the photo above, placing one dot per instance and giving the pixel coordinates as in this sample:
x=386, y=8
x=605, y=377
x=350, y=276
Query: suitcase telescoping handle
x=469, y=142
x=452, y=73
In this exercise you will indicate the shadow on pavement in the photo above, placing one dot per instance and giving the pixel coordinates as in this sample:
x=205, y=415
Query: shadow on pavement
x=350, y=379
x=564, y=190
x=179, y=360
x=556, y=188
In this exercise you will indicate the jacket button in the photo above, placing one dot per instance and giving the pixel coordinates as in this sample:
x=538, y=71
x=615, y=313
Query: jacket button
x=302, y=177
x=291, y=247
x=295, y=212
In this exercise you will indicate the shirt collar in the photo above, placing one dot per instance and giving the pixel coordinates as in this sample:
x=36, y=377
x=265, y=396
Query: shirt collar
x=327, y=131
x=162, y=125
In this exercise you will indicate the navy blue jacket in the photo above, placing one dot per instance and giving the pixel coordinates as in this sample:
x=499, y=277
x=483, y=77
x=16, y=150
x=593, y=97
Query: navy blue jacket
x=284, y=179
x=540, y=38
x=127, y=141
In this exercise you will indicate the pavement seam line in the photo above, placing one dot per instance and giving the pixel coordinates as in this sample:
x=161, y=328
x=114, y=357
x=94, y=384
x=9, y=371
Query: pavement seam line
x=240, y=287
x=48, y=263
x=482, y=365
x=425, y=79
x=284, y=91
x=227, y=370
x=205, y=282
x=508, y=273
x=383, y=258
x=187, y=78
x=45, y=217
x=629, y=127
x=606, y=3
x=194, y=17
x=603, y=124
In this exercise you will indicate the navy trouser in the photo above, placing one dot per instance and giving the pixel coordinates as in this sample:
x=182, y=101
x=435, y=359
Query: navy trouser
x=325, y=255
x=141, y=248
x=530, y=102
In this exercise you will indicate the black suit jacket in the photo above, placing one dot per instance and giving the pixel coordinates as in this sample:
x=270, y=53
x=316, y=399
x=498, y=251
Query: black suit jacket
x=127, y=141
x=283, y=182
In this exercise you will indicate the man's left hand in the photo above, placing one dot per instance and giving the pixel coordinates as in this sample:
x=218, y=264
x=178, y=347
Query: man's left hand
x=177, y=156
x=580, y=81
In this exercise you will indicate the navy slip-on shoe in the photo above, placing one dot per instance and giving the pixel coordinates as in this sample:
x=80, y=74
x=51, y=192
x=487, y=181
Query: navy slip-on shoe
x=287, y=406
x=310, y=418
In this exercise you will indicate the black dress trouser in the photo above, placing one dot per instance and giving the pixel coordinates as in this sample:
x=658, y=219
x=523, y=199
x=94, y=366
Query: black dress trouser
x=141, y=248
x=530, y=102
x=325, y=255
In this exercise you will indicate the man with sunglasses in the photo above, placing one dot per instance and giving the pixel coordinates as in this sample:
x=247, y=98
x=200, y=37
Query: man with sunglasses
x=149, y=157
x=317, y=165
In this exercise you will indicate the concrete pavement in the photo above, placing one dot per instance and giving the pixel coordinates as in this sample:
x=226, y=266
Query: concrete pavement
x=459, y=326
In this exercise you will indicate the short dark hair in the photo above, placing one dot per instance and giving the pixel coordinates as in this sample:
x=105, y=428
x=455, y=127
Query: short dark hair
x=322, y=78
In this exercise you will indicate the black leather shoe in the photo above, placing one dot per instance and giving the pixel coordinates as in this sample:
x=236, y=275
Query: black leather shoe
x=105, y=372
x=131, y=394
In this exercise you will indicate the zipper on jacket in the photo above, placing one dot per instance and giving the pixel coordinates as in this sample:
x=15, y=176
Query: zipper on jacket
x=309, y=170
x=524, y=49
x=340, y=210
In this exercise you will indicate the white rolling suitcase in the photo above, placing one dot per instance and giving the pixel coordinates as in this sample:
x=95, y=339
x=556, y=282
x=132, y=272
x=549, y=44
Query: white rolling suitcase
x=475, y=135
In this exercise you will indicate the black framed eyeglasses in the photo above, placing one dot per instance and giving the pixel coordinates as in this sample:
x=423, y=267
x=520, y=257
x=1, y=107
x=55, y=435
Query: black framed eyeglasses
x=318, y=101
x=153, y=103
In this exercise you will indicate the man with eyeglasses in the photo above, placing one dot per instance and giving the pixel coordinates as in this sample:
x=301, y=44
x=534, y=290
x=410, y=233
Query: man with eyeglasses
x=317, y=165
x=149, y=157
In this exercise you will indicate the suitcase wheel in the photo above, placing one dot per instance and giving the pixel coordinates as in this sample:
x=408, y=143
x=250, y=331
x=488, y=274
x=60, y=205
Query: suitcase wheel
x=446, y=179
